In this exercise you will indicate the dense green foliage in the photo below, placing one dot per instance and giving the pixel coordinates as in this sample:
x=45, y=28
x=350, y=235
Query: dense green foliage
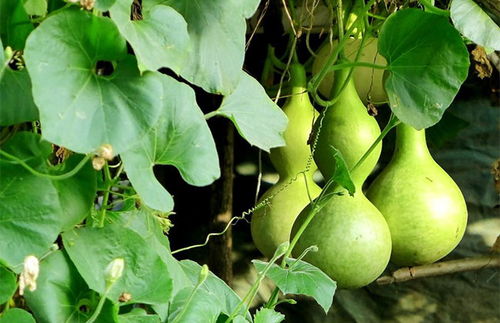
x=86, y=114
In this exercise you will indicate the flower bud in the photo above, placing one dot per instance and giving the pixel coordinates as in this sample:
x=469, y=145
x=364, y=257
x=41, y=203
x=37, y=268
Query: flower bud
x=203, y=274
x=29, y=275
x=87, y=4
x=114, y=271
x=106, y=152
x=8, y=52
x=98, y=163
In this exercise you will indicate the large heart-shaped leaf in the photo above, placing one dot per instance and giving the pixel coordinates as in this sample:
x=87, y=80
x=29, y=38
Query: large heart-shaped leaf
x=301, y=278
x=68, y=49
x=34, y=209
x=70, y=299
x=217, y=35
x=15, y=91
x=29, y=207
x=256, y=117
x=475, y=24
x=427, y=64
x=180, y=138
x=15, y=24
x=145, y=277
x=160, y=39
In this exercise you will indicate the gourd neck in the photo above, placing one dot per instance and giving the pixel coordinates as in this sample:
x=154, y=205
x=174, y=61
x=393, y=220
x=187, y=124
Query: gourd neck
x=298, y=81
x=410, y=142
x=350, y=89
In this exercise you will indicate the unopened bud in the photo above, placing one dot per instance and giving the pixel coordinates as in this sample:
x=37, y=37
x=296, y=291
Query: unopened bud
x=98, y=163
x=29, y=275
x=106, y=152
x=87, y=4
x=8, y=52
x=203, y=274
x=114, y=271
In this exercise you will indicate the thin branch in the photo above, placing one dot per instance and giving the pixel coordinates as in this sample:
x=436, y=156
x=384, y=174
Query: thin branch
x=441, y=268
x=257, y=25
x=290, y=19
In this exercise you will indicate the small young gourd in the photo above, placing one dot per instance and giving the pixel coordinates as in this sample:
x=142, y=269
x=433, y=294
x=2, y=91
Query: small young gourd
x=353, y=239
x=424, y=208
x=368, y=81
x=271, y=224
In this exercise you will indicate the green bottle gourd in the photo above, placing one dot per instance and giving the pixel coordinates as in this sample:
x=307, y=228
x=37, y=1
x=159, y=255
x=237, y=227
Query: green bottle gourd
x=353, y=239
x=271, y=224
x=424, y=208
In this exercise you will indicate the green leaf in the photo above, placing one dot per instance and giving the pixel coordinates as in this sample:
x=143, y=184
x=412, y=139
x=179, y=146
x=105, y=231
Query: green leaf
x=8, y=284
x=475, y=24
x=77, y=193
x=267, y=315
x=16, y=315
x=63, y=296
x=145, y=276
x=29, y=205
x=15, y=24
x=427, y=64
x=217, y=40
x=104, y=5
x=180, y=138
x=35, y=7
x=341, y=175
x=147, y=226
x=93, y=109
x=256, y=117
x=15, y=91
x=194, y=305
x=238, y=319
x=138, y=315
x=301, y=278
x=160, y=39
x=222, y=295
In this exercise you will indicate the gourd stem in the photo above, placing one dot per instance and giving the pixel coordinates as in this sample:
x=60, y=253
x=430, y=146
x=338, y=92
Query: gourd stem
x=429, y=7
x=255, y=287
x=49, y=176
x=99, y=306
x=317, y=79
x=298, y=79
x=109, y=183
x=393, y=121
x=410, y=142
x=356, y=64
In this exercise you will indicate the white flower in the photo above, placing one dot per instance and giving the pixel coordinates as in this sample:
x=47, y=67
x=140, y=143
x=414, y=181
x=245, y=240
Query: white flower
x=98, y=163
x=105, y=151
x=29, y=275
x=114, y=270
